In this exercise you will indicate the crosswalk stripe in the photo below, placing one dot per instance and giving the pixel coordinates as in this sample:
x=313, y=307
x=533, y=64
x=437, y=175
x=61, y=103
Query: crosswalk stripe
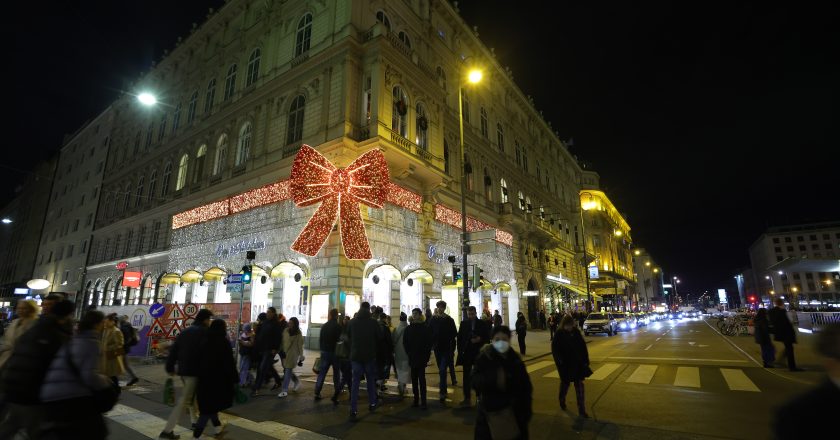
x=687, y=377
x=538, y=366
x=271, y=428
x=554, y=374
x=643, y=374
x=142, y=422
x=737, y=380
x=603, y=372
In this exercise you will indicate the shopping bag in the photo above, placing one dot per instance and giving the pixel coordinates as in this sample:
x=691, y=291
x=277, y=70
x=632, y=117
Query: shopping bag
x=169, y=392
x=316, y=367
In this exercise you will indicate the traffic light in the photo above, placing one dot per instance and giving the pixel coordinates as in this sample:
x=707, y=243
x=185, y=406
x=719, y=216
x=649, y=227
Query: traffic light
x=456, y=274
x=477, y=277
x=246, y=274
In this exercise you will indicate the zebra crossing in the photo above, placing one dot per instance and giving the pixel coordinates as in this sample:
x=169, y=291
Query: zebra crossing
x=643, y=374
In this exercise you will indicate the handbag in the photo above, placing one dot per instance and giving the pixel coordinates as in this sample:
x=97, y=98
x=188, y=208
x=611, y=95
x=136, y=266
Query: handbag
x=104, y=399
x=316, y=367
x=503, y=424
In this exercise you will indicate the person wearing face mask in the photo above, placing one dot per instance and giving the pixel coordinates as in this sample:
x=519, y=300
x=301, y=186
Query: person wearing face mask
x=572, y=360
x=504, y=389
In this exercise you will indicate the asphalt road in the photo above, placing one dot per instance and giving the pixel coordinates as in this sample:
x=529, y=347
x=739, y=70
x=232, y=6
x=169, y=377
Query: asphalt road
x=671, y=380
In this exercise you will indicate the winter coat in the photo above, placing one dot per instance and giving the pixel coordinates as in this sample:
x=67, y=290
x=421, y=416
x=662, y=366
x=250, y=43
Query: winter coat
x=63, y=382
x=516, y=390
x=400, y=354
x=521, y=326
x=782, y=328
x=293, y=347
x=34, y=351
x=497, y=320
x=443, y=333
x=762, y=330
x=329, y=336
x=216, y=375
x=385, y=349
x=17, y=328
x=571, y=356
x=417, y=342
x=270, y=336
x=110, y=354
x=468, y=350
x=365, y=334
x=186, y=351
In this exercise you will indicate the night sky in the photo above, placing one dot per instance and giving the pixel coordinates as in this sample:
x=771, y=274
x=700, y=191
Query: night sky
x=707, y=123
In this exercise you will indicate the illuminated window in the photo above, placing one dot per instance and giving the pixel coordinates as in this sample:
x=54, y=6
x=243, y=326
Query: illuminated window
x=504, y=190
x=182, y=172
x=209, y=96
x=399, y=114
x=230, y=82
x=304, y=35
x=253, y=68
x=528, y=206
x=294, y=132
x=221, y=154
x=243, y=148
x=521, y=201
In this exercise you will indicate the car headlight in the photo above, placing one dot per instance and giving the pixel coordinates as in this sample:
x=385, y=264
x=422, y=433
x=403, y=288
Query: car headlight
x=623, y=325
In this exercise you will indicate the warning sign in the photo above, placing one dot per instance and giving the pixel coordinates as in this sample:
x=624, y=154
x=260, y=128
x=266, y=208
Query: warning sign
x=188, y=322
x=176, y=313
x=174, y=331
x=191, y=309
x=156, y=329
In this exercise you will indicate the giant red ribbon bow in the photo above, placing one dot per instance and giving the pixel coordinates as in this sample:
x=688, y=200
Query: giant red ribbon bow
x=340, y=190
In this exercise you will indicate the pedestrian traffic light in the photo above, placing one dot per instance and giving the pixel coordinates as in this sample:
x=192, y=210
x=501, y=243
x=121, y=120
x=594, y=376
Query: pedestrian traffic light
x=456, y=274
x=246, y=274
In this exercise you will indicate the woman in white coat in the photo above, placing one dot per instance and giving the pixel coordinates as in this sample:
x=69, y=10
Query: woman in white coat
x=293, y=347
x=401, y=356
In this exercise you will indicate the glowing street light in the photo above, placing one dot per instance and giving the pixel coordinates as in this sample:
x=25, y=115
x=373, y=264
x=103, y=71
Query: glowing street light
x=474, y=77
x=6, y=220
x=147, y=99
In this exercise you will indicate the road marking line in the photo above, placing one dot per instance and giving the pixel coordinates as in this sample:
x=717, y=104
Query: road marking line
x=691, y=343
x=687, y=377
x=648, y=347
x=554, y=374
x=676, y=359
x=737, y=380
x=538, y=366
x=643, y=374
x=603, y=372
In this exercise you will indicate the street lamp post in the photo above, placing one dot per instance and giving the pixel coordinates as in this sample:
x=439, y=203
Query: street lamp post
x=586, y=207
x=473, y=77
x=676, y=281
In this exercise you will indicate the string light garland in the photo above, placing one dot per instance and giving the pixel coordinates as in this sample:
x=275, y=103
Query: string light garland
x=405, y=198
x=453, y=218
x=340, y=190
x=261, y=196
x=201, y=214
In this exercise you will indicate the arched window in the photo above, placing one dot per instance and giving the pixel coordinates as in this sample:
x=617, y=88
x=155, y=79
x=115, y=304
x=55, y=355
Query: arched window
x=294, y=131
x=209, y=96
x=542, y=213
x=382, y=18
x=405, y=39
x=528, y=206
x=191, y=108
x=162, y=128
x=176, y=118
x=422, y=139
x=521, y=201
x=465, y=105
x=243, y=147
x=152, y=183
x=230, y=82
x=253, y=68
x=304, y=35
x=221, y=154
x=199, y=163
x=504, y=189
x=500, y=137
x=484, y=130
x=441, y=77
x=182, y=172
x=445, y=157
x=127, y=197
x=138, y=195
x=488, y=186
x=167, y=174
x=399, y=113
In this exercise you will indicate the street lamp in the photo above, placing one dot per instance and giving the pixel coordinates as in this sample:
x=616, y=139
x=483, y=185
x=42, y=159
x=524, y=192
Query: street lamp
x=6, y=220
x=473, y=77
x=147, y=99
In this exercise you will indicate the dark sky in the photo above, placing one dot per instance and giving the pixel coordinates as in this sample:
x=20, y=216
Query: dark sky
x=706, y=122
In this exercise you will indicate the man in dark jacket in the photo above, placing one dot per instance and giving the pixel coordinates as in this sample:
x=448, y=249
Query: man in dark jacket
x=784, y=332
x=443, y=337
x=330, y=333
x=365, y=334
x=268, y=342
x=130, y=338
x=26, y=369
x=417, y=341
x=185, y=360
x=821, y=402
x=472, y=335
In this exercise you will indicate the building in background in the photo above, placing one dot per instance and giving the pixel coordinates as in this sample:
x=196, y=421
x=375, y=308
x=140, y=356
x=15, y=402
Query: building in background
x=20, y=232
x=63, y=248
x=800, y=263
x=649, y=278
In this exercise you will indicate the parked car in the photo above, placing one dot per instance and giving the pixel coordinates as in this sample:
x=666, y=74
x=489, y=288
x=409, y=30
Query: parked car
x=600, y=323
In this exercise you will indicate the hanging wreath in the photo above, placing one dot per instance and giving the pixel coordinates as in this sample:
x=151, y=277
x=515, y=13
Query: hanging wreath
x=422, y=123
x=402, y=109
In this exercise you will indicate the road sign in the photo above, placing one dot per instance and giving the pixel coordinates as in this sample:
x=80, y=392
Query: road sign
x=487, y=234
x=484, y=247
x=156, y=310
x=188, y=322
x=176, y=313
x=593, y=272
x=190, y=309
x=234, y=289
x=174, y=331
x=156, y=329
x=234, y=278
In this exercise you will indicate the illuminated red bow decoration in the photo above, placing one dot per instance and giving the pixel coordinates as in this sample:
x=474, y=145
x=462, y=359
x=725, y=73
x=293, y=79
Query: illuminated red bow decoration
x=340, y=190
